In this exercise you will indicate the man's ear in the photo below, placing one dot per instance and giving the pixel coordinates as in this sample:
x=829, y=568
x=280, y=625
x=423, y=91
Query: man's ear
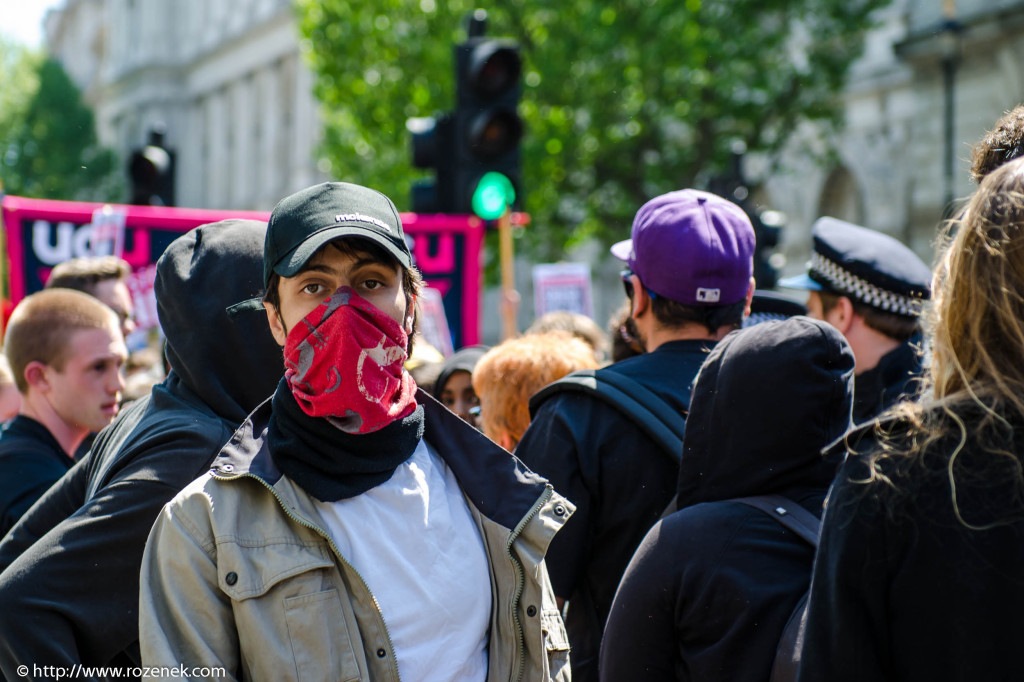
x=410, y=315
x=36, y=376
x=841, y=315
x=276, y=324
x=641, y=299
x=750, y=297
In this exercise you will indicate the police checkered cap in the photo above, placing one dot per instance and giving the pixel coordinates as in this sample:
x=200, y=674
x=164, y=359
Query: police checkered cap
x=868, y=266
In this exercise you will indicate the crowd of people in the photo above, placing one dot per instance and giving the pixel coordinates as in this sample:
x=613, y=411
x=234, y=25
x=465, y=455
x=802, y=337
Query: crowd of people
x=724, y=485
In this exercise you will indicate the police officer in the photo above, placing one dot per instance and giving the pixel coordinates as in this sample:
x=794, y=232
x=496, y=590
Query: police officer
x=872, y=288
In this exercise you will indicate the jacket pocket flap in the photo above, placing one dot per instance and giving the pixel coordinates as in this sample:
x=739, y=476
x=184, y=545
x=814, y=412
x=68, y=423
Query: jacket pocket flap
x=555, y=636
x=250, y=570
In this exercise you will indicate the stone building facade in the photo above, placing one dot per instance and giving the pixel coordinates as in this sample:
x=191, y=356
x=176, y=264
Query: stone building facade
x=223, y=78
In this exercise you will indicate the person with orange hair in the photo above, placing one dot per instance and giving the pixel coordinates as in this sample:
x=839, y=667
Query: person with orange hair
x=508, y=374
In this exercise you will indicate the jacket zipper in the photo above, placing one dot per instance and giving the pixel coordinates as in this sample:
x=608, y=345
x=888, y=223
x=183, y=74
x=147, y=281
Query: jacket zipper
x=337, y=553
x=521, y=578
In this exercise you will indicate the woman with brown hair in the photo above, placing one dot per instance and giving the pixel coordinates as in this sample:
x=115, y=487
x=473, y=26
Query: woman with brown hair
x=920, y=569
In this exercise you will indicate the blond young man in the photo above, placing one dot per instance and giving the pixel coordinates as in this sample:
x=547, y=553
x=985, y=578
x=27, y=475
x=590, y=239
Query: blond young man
x=66, y=352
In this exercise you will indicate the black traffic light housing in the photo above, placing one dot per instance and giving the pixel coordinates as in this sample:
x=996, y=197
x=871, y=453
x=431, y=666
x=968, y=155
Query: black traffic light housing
x=151, y=172
x=488, y=128
x=767, y=229
x=481, y=135
x=767, y=224
x=433, y=142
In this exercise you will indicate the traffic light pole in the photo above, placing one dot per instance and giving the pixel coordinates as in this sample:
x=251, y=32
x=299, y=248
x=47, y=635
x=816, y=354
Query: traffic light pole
x=509, y=296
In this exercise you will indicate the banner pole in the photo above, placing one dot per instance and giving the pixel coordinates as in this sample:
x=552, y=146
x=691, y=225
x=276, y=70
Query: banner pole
x=5, y=271
x=509, y=295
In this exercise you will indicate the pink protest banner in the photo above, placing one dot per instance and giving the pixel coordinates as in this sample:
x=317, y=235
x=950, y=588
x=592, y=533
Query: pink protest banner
x=39, y=234
x=446, y=249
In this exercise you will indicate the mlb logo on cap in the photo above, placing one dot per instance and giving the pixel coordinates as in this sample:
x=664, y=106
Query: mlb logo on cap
x=692, y=247
x=709, y=295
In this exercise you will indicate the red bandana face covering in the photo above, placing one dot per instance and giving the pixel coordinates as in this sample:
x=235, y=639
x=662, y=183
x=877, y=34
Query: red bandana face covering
x=345, y=362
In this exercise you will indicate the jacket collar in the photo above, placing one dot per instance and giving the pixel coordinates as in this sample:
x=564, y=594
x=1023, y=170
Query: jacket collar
x=495, y=481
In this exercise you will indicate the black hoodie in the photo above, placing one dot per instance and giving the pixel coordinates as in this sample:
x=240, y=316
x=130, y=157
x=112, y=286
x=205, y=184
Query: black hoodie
x=69, y=589
x=709, y=590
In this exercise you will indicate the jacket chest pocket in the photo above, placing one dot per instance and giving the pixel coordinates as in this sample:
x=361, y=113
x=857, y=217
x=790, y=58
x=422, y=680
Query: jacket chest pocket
x=319, y=637
x=293, y=617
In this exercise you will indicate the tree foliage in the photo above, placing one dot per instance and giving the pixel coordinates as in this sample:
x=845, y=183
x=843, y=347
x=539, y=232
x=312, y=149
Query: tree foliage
x=48, y=144
x=622, y=101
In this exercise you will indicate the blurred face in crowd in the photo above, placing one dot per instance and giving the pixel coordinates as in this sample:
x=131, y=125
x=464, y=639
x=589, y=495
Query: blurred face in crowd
x=86, y=392
x=115, y=295
x=458, y=395
x=814, y=306
x=10, y=402
x=816, y=310
x=330, y=268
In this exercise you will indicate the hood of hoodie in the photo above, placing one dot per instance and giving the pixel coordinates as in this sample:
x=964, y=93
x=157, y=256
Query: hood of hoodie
x=230, y=361
x=766, y=402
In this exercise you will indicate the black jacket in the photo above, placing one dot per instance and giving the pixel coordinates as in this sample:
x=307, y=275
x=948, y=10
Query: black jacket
x=69, y=589
x=902, y=588
x=619, y=480
x=31, y=460
x=709, y=590
x=896, y=376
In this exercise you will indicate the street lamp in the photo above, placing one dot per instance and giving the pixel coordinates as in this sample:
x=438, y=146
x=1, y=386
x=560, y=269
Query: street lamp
x=949, y=45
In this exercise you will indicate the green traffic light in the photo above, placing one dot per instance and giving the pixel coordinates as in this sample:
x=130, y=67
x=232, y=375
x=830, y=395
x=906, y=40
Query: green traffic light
x=494, y=193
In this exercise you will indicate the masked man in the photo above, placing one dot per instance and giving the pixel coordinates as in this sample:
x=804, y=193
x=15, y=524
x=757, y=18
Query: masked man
x=353, y=526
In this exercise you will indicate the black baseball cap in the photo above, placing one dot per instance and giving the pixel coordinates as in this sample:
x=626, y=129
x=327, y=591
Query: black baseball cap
x=303, y=222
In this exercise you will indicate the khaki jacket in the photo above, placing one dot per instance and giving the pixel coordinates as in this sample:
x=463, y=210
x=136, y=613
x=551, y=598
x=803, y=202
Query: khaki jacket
x=240, y=574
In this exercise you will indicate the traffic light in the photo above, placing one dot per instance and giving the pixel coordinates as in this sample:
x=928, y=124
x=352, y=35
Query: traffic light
x=151, y=171
x=433, y=139
x=474, y=150
x=487, y=126
x=767, y=229
x=767, y=224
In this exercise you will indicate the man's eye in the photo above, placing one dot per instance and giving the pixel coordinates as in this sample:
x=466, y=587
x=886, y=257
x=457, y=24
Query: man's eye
x=313, y=289
x=372, y=284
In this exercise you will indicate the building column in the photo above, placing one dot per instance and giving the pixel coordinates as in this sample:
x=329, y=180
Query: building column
x=241, y=172
x=305, y=127
x=216, y=144
x=270, y=162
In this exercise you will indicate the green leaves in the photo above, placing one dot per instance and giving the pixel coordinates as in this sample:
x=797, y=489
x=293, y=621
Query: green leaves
x=622, y=101
x=48, y=145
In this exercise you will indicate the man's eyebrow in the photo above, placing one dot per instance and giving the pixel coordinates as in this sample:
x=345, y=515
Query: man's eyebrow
x=318, y=267
x=359, y=263
x=370, y=260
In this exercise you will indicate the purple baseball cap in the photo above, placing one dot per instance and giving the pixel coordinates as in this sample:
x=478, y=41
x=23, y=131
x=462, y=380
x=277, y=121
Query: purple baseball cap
x=692, y=247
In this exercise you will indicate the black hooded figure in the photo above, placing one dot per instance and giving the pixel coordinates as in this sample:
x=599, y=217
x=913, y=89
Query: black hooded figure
x=708, y=592
x=69, y=587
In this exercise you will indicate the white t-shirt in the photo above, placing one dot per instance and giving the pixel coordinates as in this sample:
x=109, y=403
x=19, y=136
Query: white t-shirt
x=415, y=543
